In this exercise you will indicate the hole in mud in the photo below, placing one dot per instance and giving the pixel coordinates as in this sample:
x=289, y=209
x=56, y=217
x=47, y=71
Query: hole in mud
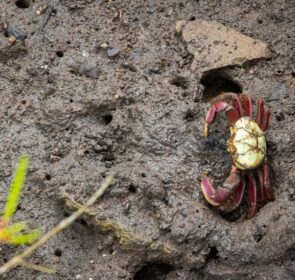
x=23, y=4
x=107, y=119
x=280, y=117
x=143, y=175
x=259, y=21
x=47, y=177
x=213, y=254
x=82, y=222
x=132, y=189
x=153, y=271
x=193, y=18
x=24, y=102
x=189, y=116
x=60, y=53
x=257, y=237
x=58, y=252
x=217, y=82
x=293, y=74
x=179, y=81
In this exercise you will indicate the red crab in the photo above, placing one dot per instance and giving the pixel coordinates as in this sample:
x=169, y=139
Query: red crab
x=247, y=146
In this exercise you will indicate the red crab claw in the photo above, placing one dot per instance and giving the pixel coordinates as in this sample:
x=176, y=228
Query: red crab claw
x=232, y=114
x=219, y=195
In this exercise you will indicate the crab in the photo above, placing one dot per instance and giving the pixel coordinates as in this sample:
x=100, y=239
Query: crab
x=247, y=147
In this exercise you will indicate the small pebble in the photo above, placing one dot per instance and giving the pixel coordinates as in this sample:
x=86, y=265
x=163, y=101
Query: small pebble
x=279, y=92
x=112, y=52
x=104, y=45
x=78, y=276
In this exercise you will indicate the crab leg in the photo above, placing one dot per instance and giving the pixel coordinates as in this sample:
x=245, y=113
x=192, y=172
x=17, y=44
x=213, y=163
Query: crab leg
x=219, y=195
x=231, y=98
x=260, y=112
x=231, y=112
x=266, y=182
x=262, y=197
x=247, y=104
x=265, y=120
x=238, y=195
x=252, y=197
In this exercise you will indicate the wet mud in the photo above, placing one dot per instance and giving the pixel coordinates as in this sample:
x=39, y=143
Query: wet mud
x=106, y=87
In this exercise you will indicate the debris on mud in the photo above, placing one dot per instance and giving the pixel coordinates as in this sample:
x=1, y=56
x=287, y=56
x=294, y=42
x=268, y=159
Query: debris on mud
x=215, y=45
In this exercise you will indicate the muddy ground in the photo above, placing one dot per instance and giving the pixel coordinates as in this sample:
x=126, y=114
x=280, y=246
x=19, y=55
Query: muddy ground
x=106, y=87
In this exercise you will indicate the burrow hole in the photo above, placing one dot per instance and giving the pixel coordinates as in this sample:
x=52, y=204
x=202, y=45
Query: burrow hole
x=213, y=254
x=153, y=271
x=59, y=53
x=58, y=252
x=23, y=4
x=132, y=188
x=217, y=82
x=106, y=119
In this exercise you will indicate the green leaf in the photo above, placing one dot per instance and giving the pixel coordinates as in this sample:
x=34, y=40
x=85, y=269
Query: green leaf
x=23, y=239
x=16, y=188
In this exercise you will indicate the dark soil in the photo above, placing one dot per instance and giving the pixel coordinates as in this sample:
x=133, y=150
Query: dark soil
x=106, y=87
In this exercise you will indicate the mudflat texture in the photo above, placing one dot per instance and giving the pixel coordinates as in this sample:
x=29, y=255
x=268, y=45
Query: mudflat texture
x=107, y=87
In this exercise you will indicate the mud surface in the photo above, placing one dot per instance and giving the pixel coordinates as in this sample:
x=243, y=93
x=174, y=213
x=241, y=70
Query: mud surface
x=106, y=87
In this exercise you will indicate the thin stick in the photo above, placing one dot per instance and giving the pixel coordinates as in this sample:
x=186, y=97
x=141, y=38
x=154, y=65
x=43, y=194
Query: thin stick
x=36, y=267
x=19, y=259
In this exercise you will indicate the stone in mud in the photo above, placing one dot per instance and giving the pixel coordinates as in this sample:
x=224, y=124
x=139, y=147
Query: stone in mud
x=112, y=52
x=215, y=46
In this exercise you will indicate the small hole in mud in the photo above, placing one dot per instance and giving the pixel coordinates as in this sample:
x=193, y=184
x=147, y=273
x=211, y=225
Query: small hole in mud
x=293, y=74
x=189, y=116
x=259, y=21
x=213, y=254
x=47, y=177
x=257, y=237
x=179, y=81
x=58, y=252
x=107, y=119
x=217, y=82
x=19, y=207
x=82, y=222
x=153, y=271
x=280, y=117
x=23, y=4
x=132, y=189
x=60, y=53
x=71, y=100
x=24, y=102
x=143, y=175
x=193, y=18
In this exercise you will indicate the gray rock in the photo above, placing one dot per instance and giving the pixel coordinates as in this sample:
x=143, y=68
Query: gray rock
x=112, y=52
x=279, y=92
